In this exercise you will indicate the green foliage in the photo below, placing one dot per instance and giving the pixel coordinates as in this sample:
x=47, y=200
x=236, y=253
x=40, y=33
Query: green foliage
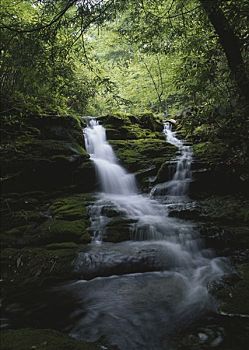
x=133, y=56
x=40, y=71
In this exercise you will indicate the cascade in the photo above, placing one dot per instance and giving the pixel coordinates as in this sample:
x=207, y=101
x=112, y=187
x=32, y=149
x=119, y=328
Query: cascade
x=164, y=268
x=113, y=178
x=179, y=184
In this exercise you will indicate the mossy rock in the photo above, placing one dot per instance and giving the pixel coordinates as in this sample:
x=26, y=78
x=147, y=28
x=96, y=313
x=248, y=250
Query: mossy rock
x=56, y=231
x=210, y=152
x=70, y=208
x=143, y=153
x=228, y=209
x=57, y=220
x=33, y=266
x=42, y=339
x=126, y=126
x=44, y=152
x=148, y=120
x=233, y=297
x=221, y=333
x=118, y=230
x=165, y=171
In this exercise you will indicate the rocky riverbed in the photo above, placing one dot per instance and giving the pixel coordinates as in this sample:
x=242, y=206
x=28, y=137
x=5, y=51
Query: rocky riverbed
x=49, y=184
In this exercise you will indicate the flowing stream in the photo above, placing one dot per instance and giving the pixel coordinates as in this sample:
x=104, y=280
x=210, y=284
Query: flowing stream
x=179, y=184
x=153, y=282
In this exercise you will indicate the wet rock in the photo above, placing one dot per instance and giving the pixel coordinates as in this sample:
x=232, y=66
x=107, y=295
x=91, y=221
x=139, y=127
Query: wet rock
x=71, y=207
x=221, y=333
x=118, y=230
x=166, y=171
x=110, y=211
x=214, y=171
x=222, y=209
x=34, y=266
x=64, y=219
x=63, y=245
x=91, y=265
x=225, y=238
x=43, y=152
x=142, y=154
x=56, y=231
x=233, y=294
x=24, y=339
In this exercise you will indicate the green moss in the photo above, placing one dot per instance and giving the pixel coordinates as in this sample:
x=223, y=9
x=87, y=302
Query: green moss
x=48, y=146
x=56, y=231
x=64, y=220
x=41, y=339
x=70, y=208
x=118, y=230
x=210, y=152
x=143, y=153
x=125, y=126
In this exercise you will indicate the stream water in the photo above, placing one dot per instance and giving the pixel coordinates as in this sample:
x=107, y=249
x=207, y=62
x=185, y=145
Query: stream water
x=156, y=281
x=139, y=292
x=181, y=173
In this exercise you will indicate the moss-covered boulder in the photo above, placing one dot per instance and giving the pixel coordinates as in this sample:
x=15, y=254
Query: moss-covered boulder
x=43, y=152
x=118, y=229
x=56, y=231
x=144, y=121
x=233, y=294
x=30, y=221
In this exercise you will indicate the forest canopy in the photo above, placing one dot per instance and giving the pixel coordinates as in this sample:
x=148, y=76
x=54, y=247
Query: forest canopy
x=103, y=56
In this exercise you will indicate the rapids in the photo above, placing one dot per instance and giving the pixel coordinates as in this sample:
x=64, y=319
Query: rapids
x=140, y=291
x=154, y=282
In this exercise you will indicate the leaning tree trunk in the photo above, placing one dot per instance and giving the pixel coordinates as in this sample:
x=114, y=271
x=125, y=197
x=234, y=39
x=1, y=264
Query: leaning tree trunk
x=230, y=44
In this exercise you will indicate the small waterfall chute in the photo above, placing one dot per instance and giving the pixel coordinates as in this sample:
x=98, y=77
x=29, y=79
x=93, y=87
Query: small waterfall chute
x=179, y=184
x=113, y=178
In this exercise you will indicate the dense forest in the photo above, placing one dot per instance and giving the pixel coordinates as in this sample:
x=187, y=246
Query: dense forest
x=168, y=81
x=184, y=57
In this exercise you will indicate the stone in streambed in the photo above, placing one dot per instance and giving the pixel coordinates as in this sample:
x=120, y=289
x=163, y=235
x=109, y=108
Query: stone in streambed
x=118, y=230
x=222, y=209
x=143, y=153
x=233, y=295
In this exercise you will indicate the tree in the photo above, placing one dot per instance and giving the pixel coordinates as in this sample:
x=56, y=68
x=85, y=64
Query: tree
x=41, y=71
x=230, y=43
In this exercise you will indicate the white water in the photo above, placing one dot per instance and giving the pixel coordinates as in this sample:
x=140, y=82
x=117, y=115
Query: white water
x=113, y=178
x=179, y=184
x=131, y=310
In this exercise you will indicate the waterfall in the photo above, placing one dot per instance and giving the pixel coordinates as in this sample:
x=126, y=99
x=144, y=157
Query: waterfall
x=113, y=178
x=179, y=184
x=132, y=308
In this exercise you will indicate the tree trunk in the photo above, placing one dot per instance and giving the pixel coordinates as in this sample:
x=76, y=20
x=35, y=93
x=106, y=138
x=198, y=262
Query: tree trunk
x=230, y=44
